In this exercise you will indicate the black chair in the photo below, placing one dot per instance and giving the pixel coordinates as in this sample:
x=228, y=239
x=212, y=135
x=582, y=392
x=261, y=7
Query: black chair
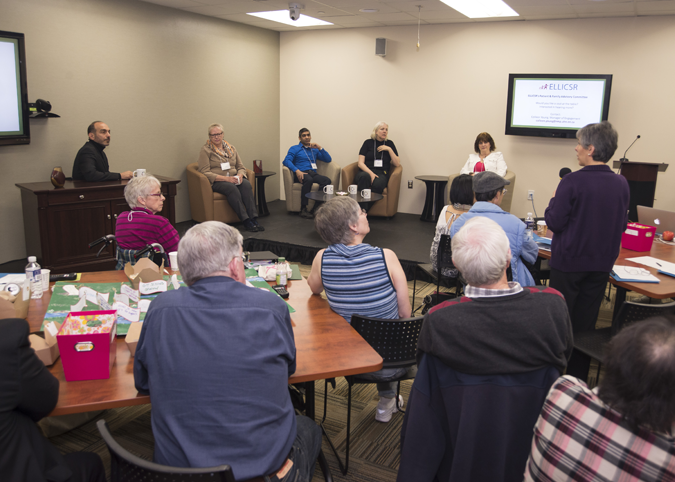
x=396, y=342
x=444, y=259
x=594, y=343
x=126, y=466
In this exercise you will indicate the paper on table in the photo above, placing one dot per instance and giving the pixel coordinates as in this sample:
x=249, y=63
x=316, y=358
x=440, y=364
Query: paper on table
x=631, y=273
x=654, y=263
x=13, y=278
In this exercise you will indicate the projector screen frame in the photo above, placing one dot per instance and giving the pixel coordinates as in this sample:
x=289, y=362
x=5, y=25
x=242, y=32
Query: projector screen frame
x=553, y=132
x=24, y=112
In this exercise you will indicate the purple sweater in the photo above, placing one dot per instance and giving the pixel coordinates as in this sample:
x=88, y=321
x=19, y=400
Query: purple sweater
x=587, y=216
x=139, y=227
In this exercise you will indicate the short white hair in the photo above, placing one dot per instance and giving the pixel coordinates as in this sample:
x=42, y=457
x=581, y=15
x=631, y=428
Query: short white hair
x=373, y=135
x=207, y=248
x=216, y=125
x=140, y=186
x=480, y=251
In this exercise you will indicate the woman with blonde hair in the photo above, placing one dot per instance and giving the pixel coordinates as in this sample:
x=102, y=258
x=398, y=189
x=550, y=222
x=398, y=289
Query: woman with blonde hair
x=377, y=158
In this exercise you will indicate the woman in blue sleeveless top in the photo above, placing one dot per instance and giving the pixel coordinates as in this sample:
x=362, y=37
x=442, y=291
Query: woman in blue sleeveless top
x=360, y=279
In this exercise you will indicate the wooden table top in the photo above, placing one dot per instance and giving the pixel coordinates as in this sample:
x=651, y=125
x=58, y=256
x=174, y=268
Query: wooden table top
x=327, y=346
x=666, y=286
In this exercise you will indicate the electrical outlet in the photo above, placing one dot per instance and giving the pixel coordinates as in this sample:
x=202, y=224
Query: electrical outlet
x=530, y=194
x=409, y=184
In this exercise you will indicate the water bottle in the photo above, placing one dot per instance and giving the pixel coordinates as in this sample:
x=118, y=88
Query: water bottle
x=34, y=275
x=529, y=225
x=281, y=272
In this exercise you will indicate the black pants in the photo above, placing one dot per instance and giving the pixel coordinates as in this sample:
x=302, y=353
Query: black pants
x=85, y=466
x=362, y=181
x=583, y=292
x=239, y=197
x=308, y=179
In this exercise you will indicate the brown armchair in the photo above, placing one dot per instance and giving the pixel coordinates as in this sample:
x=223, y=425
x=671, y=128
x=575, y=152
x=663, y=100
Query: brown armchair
x=206, y=205
x=508, y=197
x=293, y=189
x=385, y=207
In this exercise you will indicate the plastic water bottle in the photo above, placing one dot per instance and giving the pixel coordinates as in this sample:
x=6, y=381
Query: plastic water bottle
x=529, y=226
x=282, y=275
x=34, y=274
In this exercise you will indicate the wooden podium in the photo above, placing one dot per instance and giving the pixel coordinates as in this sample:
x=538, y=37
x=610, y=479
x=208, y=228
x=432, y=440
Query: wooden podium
x=641, y=177
x=59, y=223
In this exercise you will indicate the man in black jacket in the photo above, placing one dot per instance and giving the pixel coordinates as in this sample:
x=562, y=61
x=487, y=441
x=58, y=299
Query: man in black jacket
x=91, y=163
x=28, y=392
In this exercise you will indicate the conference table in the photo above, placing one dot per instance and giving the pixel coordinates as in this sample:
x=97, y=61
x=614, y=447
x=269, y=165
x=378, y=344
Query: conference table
x=326, y=347
x=665, y=288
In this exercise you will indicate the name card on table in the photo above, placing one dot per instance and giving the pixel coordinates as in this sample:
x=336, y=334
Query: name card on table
x=174, y=282
x=143, y=305
x=119, y=297
x=152, y=287
x=89, y=294
x=131, y=293
x=102, y=300
x=80, y=304
x=131, y=314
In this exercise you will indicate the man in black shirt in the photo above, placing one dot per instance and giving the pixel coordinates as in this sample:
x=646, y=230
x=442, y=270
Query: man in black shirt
x=91, y=163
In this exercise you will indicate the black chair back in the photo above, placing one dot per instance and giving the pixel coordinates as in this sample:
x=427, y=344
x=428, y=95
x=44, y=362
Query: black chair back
x=394, y=340
x=125, y=466
x=632, y=312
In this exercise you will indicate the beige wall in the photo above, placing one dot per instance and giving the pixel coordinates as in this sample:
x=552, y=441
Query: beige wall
x=157, y=76
x=436, y=100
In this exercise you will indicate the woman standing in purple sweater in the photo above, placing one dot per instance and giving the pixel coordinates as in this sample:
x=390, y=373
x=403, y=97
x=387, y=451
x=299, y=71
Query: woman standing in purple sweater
x=587, y=214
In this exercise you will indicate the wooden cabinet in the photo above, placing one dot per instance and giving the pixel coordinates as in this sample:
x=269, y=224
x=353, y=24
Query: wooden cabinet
x=59, y=223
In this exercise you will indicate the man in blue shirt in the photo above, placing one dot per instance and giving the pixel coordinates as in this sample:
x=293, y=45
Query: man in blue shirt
x=301, y=160
x=215, y=357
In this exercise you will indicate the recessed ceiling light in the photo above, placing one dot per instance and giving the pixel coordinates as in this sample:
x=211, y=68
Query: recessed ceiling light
x=369, y=10
x=282, y=16
x=481, y=8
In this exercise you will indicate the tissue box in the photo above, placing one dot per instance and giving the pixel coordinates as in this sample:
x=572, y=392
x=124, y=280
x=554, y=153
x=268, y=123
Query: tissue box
x=88, y=352
x=638, y=237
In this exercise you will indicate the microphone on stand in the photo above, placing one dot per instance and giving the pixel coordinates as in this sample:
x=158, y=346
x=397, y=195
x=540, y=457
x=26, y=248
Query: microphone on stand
x=564, y=172
x=624, y=158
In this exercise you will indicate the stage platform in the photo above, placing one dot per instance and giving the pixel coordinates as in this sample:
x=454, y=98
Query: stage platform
x=295, y=238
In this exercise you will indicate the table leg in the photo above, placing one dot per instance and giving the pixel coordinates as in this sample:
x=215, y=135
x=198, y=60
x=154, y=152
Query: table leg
x=260, y=193
x=428, y=211
x=309, y=400
x=439, y=190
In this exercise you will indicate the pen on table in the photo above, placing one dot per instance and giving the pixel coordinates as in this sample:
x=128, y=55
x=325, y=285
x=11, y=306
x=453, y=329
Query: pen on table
x=659, y=265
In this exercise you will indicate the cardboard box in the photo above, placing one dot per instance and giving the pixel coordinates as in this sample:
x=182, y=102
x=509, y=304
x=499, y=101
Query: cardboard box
x=638, y=237
x=47, y=348
x=133, y=335
x=88, y=355
x=12, y=306
x=145, y=270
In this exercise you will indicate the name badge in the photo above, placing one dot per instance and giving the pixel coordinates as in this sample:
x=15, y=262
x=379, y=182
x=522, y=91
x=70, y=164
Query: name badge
x=314, y=165
x=378, y=162
x=225, y=166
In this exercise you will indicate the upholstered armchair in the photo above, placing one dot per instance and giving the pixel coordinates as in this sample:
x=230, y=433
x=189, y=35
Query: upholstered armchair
x=506, y=202
x=293, y=189
x=388, y=206
x=206, y=205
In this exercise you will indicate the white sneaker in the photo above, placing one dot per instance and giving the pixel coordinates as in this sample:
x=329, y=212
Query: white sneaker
x=386, y=407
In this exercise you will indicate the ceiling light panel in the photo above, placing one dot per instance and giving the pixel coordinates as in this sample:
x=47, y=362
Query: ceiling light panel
x=481, y=8
x=282, y=16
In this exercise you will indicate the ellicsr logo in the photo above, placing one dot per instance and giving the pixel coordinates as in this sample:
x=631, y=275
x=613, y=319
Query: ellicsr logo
x=559, y=87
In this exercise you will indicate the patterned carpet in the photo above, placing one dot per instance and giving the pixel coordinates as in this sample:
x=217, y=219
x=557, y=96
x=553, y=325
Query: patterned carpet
x=375, y=451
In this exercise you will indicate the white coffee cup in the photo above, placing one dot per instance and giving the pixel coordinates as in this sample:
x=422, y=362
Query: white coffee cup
x=352, y=189
x=45, y=279
x=365, y=193
x=328, y=189
x=139, y=173
x=173, y=260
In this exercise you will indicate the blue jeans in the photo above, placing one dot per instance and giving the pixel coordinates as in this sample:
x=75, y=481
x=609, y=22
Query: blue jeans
x=305, y=451
x=385, y=387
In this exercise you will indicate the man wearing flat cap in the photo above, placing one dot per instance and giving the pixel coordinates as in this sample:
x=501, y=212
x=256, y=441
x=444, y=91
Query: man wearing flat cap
x=489, y=189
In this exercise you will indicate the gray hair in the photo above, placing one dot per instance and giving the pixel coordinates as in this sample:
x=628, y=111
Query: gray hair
x=139, y=186
x=215, y=125
x=602, y=136
x=373, y=135
x=480, y=251
x=333, y=219
x=207, y=248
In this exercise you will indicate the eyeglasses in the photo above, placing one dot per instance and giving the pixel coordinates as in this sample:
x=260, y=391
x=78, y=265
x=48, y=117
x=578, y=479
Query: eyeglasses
x=504, y=191
x=363, y=211
x=158, y=194
x=636, y=271
x=216, y=135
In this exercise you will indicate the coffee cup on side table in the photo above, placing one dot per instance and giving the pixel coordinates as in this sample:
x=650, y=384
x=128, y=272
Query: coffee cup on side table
x=139, y=173
x=365, y=193
x=352, y=189
x=328, y=189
